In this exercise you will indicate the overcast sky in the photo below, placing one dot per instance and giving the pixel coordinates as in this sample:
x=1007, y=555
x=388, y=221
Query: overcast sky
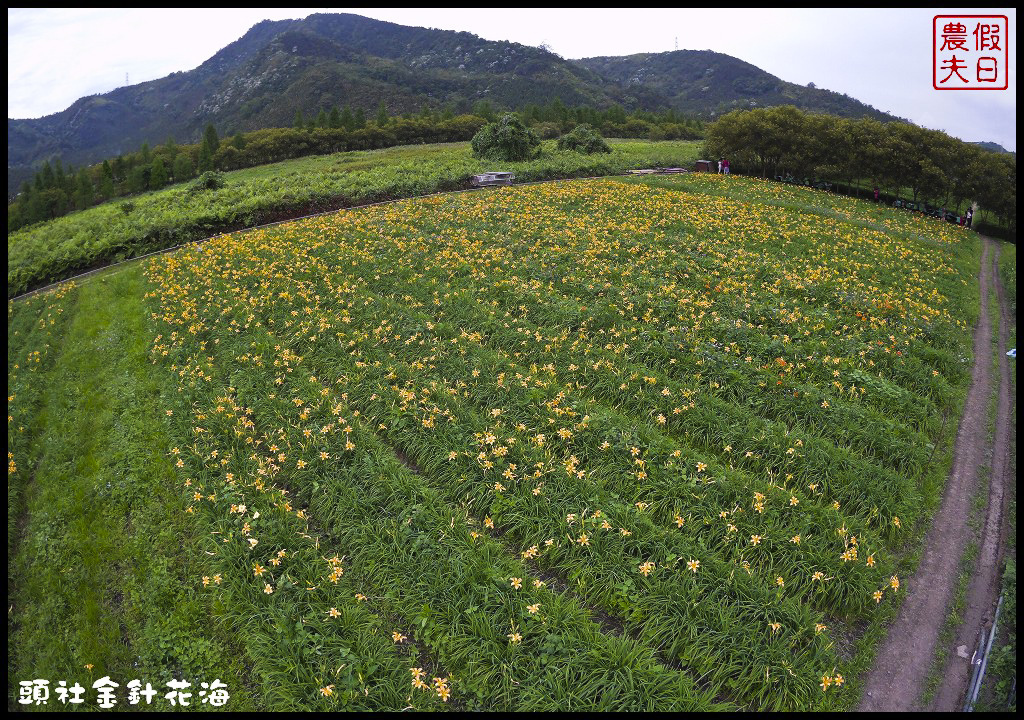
x=881, y=57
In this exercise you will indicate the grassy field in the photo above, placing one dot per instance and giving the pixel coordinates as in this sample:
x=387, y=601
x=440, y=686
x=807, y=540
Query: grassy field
x=595, y=444
x=58, y=249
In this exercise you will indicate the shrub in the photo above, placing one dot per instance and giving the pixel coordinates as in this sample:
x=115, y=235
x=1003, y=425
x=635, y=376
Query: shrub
x=507, y=139
x=584, y=139
x=209, y=180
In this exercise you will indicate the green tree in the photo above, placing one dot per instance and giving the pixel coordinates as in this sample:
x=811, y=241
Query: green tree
x=107, y=190
x=299, y=123
x=138, y=179
x=507, y=140
x=584, y=139
x=84, y=190
x=210, y=139
x=382, y=115
x=46, y=177
x=348, y=120
x=183, y=169
x=205, y=158
x=157, y=174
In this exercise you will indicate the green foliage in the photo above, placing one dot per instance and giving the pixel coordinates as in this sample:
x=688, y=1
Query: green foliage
x=209, y=180
x=210, y=138
x=205, y=158
x=183, y=168
x=158, y=175
x=584, y=139
x=507, y=140
x=84, y=192
x=900, y=157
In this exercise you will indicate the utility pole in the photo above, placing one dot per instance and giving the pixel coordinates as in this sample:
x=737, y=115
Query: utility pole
x=677, y=42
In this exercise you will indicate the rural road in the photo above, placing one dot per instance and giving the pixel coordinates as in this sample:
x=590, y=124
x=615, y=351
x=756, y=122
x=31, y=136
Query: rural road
x=905, y=658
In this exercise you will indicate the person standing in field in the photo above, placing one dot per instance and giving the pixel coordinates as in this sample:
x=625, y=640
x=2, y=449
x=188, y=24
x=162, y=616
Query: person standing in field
x=719, y=166
x=725, y=166
x=876, y=193
x=970, y=216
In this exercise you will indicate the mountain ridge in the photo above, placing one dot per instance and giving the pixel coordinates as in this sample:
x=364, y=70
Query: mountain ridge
x=323, y=60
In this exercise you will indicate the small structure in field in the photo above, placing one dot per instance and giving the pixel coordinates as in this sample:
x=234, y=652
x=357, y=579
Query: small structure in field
x=658, y=171
x=706, y=166
x=493, y=178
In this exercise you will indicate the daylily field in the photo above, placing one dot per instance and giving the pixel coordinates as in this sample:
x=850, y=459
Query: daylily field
x=588, y=444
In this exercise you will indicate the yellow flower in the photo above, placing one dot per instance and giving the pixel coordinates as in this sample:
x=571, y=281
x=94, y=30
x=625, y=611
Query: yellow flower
x=877, y=595
x=515, y=637
x=894, y=582
x=780, y=582
x=533, y=608
x=327, y=691
x=398, y=637
x=517, y=583
x=268, y=589
x=755, y=539
x=692, y=565
x=646, y=568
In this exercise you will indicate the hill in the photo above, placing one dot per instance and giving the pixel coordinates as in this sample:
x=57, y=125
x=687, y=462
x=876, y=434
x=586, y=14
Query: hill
x=991, y=146
x=327, y=60
x=710, y=84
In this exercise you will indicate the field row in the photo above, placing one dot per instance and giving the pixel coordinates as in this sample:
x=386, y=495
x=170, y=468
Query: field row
x=701, y=421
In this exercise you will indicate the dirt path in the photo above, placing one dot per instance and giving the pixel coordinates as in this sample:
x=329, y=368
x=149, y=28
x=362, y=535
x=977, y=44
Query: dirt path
x=983, y=591
x=905, y=657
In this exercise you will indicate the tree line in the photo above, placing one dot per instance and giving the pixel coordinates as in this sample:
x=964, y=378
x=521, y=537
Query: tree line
x=901, y=159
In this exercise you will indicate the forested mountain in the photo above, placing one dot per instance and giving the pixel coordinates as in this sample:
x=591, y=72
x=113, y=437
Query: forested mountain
x=711, y=84
x=343, y=60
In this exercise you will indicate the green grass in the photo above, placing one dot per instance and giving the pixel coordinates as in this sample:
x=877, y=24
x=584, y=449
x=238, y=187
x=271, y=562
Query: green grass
x=102, y=547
